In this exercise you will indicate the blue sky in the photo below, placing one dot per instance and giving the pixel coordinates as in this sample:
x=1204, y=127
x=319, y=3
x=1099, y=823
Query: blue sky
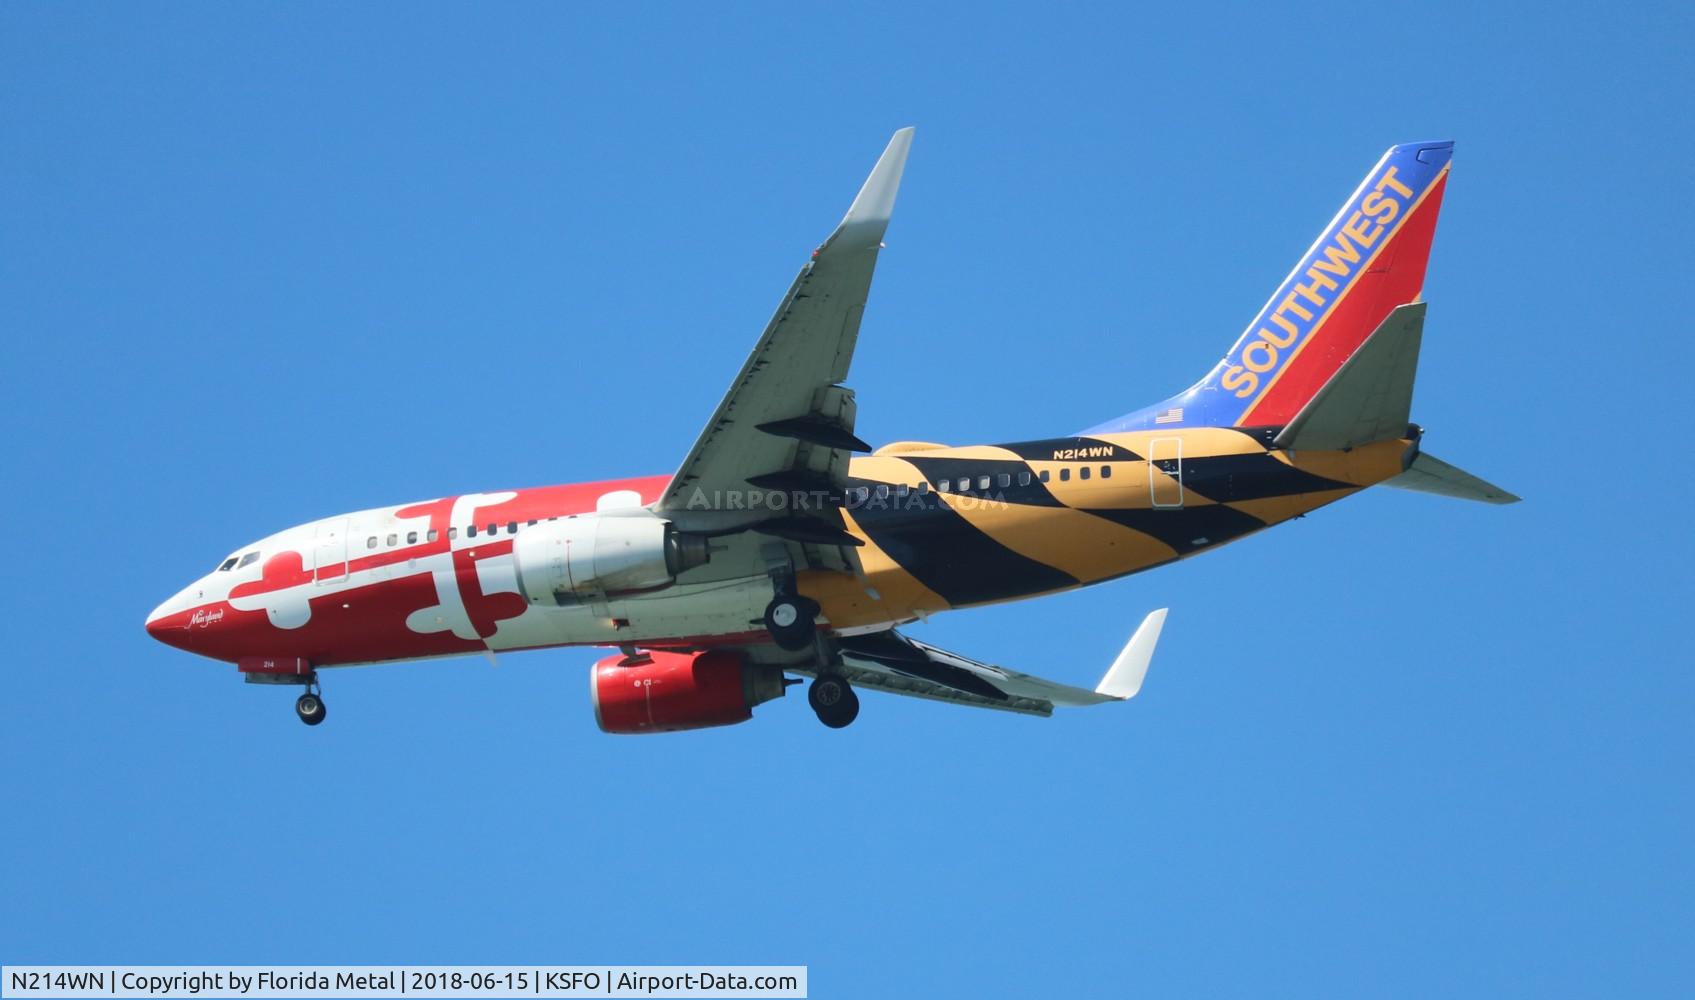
x=263, y=263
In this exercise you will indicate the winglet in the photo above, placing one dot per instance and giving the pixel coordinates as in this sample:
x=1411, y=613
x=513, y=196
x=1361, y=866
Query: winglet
x=1124, y=678
x=876, y=200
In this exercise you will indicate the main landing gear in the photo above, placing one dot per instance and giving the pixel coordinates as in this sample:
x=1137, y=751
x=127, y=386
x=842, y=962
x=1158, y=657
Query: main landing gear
x=833, y=699
x=792, y=621
x=310, y=706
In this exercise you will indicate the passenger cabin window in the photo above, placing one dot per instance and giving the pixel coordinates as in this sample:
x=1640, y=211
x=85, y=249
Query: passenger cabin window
x=493, y=529
x=452, y=533
x=393, y=540
x=1045, y=475
x=471, y=532
x=432, y=535
x=924, y=487
x=1106, y=472
x=982, y=482
x=511, y=527
x=229, y=564
x=1083, y=473
x=248, y=559
x=371, y=543
x=411, y=538
x=1006, y=479
x=1024, y=478
x=902, y=490
x=1065, y=475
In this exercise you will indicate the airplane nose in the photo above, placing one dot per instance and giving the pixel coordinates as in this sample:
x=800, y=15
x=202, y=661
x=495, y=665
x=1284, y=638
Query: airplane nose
x=186, y=620
x=156, y=621
x=169, y=623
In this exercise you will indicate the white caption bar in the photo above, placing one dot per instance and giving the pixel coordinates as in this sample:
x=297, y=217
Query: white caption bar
x=402, y=981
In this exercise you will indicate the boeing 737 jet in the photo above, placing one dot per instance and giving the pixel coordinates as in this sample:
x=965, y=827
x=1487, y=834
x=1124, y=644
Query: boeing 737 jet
x=783, y=544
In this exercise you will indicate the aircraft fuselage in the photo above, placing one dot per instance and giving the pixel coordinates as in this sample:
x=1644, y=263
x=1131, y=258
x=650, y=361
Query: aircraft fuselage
x=940, y=528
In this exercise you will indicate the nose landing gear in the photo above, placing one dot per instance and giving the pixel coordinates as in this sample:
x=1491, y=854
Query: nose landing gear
x=293, y=671
x=310, y=705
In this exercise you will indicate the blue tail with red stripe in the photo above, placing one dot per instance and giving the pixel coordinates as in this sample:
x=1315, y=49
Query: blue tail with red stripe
x=1370, y=259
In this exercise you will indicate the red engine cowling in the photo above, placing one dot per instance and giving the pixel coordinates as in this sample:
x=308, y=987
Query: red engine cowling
x=676, y=691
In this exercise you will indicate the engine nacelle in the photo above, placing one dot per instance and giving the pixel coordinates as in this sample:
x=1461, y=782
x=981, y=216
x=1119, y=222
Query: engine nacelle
x=675, y=691
x=573, y=559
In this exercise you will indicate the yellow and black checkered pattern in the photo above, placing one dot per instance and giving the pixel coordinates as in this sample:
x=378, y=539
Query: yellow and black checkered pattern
x=1022, y=519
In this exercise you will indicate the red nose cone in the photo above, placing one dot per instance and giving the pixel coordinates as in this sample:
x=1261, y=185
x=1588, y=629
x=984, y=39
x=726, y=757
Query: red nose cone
x=169, y=628
x=157, y=622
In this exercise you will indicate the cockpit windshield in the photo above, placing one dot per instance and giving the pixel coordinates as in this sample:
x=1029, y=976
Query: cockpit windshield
x=237, y=562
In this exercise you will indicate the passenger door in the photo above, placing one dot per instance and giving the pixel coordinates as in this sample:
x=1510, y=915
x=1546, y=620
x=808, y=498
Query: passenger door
x=329, y=560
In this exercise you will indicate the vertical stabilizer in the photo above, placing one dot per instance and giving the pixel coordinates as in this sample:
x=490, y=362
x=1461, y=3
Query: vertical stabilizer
x=1369, y=260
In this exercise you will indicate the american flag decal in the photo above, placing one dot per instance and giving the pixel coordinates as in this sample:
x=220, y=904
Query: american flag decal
x=1170, y=416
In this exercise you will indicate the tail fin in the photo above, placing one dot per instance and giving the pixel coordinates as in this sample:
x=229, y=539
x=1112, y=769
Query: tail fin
x=1370, y=259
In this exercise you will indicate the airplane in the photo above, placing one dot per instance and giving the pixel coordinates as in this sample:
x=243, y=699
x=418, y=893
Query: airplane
x=784, y=544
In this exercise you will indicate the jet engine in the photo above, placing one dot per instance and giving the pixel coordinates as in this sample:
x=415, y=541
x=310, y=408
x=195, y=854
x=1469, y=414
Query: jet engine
x=573, y=559
x=667, y=692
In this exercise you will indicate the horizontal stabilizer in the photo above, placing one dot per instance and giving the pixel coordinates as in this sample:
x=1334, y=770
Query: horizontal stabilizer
x=1429, y=474
x=1369, y=399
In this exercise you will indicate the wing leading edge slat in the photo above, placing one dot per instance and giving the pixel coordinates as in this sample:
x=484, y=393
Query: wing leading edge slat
x=786, y=411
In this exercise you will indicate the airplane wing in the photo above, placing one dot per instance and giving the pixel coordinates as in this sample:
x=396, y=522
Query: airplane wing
x=786, y=423
x=889, y=661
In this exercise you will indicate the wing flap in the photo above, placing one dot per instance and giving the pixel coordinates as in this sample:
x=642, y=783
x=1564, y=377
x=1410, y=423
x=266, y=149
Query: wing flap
x=899, y=664
x=917, y=687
